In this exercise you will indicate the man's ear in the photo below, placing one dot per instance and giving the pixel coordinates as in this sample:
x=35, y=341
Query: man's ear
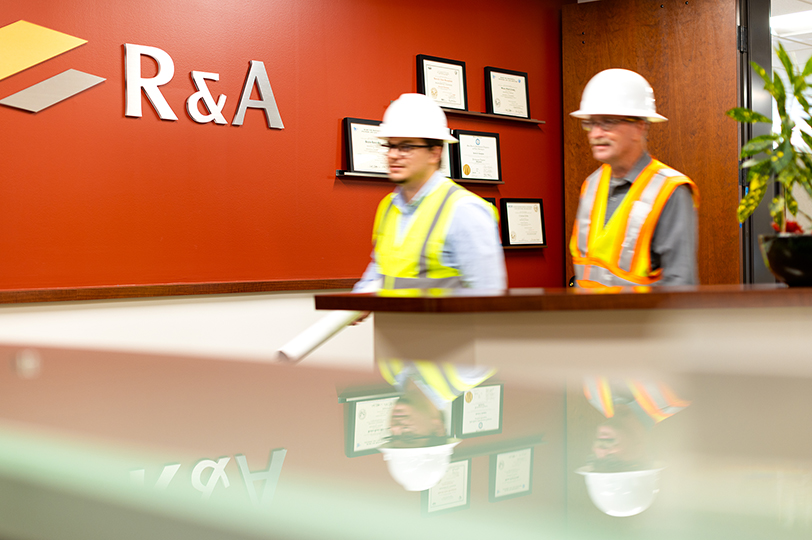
x=436, y=154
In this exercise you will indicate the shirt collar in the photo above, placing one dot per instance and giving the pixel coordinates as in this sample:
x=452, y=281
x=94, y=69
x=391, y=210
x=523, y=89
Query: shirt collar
x=635, y=171
x=427, y=188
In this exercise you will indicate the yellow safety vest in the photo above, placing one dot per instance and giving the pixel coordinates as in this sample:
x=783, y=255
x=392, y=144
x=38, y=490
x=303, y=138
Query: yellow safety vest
x=444, y=381
x=414, y=262
x=619, y=252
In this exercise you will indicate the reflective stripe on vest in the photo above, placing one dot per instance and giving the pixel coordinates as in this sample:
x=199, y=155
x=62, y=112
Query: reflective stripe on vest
x=414, y=261
x=618, y=252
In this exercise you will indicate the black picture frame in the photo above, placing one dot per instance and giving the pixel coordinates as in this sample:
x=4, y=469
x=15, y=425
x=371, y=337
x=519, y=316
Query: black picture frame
x=429, y=508
x=355, y=156
x=480, y=168
x=455, y=75
x=463, y=410
x=503, y=89
x=497, y=460
x=508, y=213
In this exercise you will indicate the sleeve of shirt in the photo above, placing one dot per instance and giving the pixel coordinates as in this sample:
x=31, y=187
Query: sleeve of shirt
x=371, y=280
x=474, y=247
x=673, y=247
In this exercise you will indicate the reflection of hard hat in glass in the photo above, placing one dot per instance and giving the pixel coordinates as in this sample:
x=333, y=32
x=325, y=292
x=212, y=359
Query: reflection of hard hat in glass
x=418, y=469
x=622, y=494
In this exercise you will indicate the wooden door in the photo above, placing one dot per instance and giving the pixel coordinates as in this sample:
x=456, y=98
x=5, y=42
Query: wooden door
x=687, y=51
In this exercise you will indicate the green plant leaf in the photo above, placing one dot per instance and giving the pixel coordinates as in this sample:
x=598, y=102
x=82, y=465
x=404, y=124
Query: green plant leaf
x=780, y=95
x=790, y=203
x=782, y=54
x=807, y=69
x=807, y=138
x=762, y=73
x=806, y=184
x=759, y=144
x=783, y=157
x=748, y=116
x=758, y=187
x=777, y=211
x=756, y=162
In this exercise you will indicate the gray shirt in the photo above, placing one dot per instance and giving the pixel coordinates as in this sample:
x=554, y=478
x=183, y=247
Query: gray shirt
x=673, y=246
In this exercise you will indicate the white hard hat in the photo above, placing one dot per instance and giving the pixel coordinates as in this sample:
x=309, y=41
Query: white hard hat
x=418, y=469
x=618, y=92
x=622, y=494
x=415, y=116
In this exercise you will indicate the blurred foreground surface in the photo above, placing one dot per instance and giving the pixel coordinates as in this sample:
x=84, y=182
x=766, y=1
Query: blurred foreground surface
x=115, y=445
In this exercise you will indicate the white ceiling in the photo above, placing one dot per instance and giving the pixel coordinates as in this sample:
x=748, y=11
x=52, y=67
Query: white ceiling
x=799, y=45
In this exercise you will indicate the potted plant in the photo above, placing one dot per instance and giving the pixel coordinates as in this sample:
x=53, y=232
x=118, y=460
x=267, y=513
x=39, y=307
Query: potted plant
x=782, y=157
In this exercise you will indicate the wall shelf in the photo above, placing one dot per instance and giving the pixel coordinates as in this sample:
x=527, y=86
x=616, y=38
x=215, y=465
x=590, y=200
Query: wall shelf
x=340, y=173
x=487, y=116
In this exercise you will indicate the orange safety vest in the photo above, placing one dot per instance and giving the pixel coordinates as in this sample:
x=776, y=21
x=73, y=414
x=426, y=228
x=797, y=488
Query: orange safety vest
x=653, y=399
x=618, y=253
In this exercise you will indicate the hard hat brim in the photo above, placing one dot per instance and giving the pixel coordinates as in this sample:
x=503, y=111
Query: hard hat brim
x=586, y=114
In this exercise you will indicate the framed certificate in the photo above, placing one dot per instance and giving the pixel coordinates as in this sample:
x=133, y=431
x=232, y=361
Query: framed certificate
x=477, y=156
x=511, y=475
x=445, y=165
x=365, y=151
x=506, y=92
x=478, y=411
x=522, y=222
x=366, y=424
x=443, y=80
x=452, y=493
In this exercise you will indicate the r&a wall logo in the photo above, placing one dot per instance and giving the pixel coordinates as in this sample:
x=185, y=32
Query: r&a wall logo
x=24, y=45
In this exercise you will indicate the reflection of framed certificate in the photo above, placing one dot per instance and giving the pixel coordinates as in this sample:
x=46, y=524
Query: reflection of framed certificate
x=452, y=493
x=511, y=475
x=443, y=81
x=365, y=152
x=506, y=92
x=522, y=222
x=477, y=156
x=479, y=411
x=366, y=424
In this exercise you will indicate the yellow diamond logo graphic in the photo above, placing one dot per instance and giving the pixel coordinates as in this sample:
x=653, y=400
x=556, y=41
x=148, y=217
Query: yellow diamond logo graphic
x=24, y=44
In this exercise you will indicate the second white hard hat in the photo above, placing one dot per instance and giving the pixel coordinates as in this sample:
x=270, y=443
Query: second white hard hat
x=618, y=92
x=622, y=494
x=415, y=116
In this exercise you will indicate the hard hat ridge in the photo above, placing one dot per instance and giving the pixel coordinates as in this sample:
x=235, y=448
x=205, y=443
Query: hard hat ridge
x=415, y=116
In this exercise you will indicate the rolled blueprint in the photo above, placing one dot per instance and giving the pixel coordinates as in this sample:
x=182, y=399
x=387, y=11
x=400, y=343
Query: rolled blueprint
x=315, y=335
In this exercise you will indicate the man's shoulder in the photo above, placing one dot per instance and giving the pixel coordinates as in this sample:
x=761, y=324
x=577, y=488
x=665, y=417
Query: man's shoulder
x=670, y=172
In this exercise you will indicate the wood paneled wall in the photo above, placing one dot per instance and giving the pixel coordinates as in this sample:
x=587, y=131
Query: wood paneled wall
x=687, y=51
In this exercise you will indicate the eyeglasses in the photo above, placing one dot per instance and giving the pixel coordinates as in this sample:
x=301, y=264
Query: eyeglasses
x=606, y=124
x=404, y=149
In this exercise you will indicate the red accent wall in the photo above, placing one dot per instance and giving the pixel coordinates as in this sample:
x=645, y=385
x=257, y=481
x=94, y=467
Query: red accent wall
x=89, y=197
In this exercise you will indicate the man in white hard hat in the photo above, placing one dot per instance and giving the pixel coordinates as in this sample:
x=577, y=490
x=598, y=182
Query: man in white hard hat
x=430, y=232
x=636, y=222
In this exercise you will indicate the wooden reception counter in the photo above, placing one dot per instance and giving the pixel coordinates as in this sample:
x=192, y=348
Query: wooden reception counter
x=742, y=328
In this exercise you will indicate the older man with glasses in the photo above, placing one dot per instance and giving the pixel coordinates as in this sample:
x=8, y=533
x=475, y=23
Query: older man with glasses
x=430, y=232
x=636, y=222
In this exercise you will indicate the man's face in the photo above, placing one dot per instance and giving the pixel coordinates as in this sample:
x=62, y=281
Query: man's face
x=416, y=164
x=616, y=143
x=412, y=423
